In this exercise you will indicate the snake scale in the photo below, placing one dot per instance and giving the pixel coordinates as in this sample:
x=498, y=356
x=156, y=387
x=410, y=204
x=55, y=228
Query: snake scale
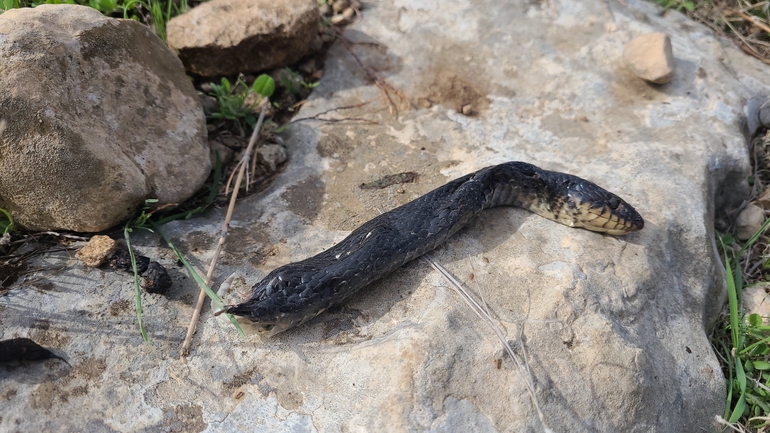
x=297, y=292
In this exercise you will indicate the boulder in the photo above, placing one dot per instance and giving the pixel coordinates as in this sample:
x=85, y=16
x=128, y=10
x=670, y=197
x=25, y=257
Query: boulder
x=226, y=37
x=100, y=116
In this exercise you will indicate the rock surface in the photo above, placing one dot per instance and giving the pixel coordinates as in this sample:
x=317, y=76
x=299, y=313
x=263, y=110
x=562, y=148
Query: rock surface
x=100, y=117
x=650, y=57
x=615, y=329
x=227, y=37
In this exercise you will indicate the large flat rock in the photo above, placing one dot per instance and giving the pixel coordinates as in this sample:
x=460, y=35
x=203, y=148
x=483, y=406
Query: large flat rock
x=615, y=328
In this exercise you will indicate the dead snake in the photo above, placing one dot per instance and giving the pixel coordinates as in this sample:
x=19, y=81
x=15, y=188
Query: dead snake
x=297, y=292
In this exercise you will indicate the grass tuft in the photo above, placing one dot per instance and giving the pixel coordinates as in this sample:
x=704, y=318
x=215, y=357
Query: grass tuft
x=746, y=23
x=741, y=338
x=153, y=13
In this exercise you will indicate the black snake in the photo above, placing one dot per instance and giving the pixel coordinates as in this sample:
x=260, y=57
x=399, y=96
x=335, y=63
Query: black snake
x=297, y=292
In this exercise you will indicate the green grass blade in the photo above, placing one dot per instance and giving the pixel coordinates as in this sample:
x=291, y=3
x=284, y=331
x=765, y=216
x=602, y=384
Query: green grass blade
x=740, y=378
x=751, y=346
x=759, y=401
x=730, y=380
x=738, y=280
x=137, y=289
x=733, y=302
x=202, y=284
x=7, y=227
x=740, y=407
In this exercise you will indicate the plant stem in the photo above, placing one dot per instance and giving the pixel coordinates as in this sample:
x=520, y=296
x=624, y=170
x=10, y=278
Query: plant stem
x=225, y=228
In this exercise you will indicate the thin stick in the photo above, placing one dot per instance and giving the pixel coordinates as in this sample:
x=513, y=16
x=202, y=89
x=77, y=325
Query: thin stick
x=347, y=107
x=748, y=18
x=244, y=162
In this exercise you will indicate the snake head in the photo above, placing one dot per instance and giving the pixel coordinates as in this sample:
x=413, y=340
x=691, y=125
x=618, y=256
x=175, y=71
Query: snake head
x=289, y=296
x=591, y=207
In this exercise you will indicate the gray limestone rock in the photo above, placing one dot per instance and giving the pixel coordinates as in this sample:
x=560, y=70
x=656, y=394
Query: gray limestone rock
x=227, y=37
x=100, y=116
x=615, y=328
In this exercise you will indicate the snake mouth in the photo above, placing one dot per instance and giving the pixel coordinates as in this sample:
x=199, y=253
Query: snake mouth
x=616, y=218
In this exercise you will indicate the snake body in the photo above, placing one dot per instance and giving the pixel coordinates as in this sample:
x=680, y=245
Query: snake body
x=297, y=292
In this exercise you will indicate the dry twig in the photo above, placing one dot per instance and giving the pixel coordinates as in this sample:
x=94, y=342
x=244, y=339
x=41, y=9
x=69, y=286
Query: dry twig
x=241, y=166
x=379, y=82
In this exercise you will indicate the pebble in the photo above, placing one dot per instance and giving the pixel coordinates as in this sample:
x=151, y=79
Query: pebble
x=756, y=300
x=307, y=67
x=338, y=19
x=272, y=155
x=340, y=5
x=467, y=109
x=348, y=13
x=210, y=103
x=95, y=252
x=764, y=114
x=650, y=57
x=749, y=221
x=225, y=153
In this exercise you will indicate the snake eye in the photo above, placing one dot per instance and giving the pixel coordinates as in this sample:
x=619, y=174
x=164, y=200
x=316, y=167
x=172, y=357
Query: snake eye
x=614, y=202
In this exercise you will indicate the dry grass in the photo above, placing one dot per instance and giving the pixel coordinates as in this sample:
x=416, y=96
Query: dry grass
x=743, y=21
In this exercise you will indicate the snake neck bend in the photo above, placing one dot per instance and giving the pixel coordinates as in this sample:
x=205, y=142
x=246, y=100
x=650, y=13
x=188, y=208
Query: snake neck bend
x=297, y=292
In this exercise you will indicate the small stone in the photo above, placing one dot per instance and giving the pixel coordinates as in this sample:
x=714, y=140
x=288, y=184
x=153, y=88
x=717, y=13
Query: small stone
x=273, y=155
x=210, y=104
x=155, y=279
x=95, y=252
x=307, y=67
x=749, y=221
x=650, y=57
x=755, y=300
x=340, y=5
x=400, y=190
x=316, y=44
x=225, y=153
x=764, y=114
x=348, y=13
x=425, y=103
x=338, y=19
x=467, y=109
